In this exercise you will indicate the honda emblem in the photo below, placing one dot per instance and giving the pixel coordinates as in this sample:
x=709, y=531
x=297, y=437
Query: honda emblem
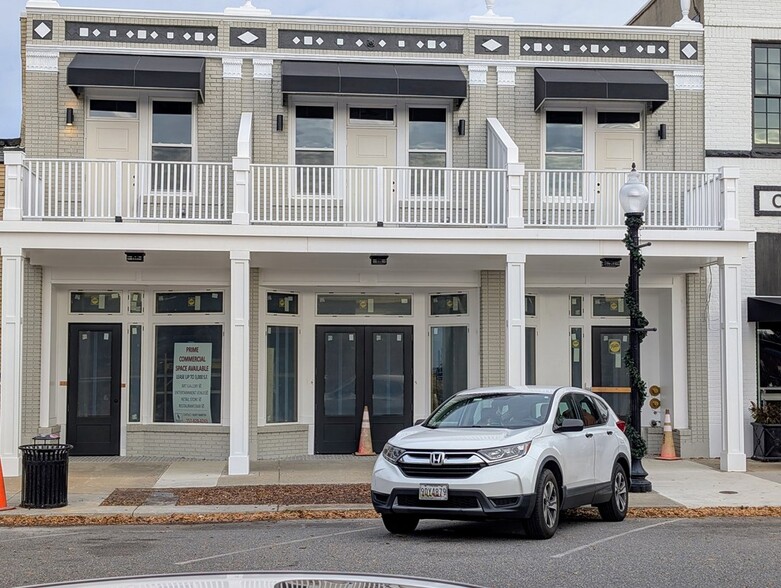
x=437, y=458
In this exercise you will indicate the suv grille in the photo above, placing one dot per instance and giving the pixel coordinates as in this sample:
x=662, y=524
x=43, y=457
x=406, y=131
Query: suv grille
x=451, y=502
x=443, y=471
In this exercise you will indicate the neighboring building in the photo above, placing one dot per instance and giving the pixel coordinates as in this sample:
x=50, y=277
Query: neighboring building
x=743, y=129
x=227, y=234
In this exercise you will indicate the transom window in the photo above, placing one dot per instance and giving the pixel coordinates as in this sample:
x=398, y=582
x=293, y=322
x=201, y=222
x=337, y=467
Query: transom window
x=564, y=140
x=618, y=120
x=113, y=109
x=767, y=95
x=371, y=114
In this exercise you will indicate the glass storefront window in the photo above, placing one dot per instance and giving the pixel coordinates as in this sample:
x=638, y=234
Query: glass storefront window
x=531, y=356
x=96, y=302
x=136, y=302
x=134, y=394
x=188, y=374
x=349, y=304
x=188, y=302
x=576, y=356
x=448, y=362
x=610, y=306
x=281, y=374
x=531, y=305
x=769, y=358
x=447, y=304
x=388, y=374
x=576, y=306
x=279, y=303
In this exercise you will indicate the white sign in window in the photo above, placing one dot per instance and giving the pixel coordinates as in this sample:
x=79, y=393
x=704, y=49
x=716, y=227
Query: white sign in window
x=767, y=200
x=192, y=382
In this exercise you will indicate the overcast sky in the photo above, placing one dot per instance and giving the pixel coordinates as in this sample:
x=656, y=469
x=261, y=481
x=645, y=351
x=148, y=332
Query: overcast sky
x=603, y=12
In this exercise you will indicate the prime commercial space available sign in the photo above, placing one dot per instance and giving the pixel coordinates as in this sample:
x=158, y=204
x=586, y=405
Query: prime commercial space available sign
x=192, y=384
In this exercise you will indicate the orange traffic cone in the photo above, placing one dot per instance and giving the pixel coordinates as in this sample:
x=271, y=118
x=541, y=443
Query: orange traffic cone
x=668, y=446
x=3, y=501
x=365, y=442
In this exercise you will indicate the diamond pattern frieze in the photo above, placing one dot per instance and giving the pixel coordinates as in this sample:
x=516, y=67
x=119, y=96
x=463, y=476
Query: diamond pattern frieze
x=373, y=41
x=689, y=51
x=144, y=34
x=42, y=29
x=557, y=47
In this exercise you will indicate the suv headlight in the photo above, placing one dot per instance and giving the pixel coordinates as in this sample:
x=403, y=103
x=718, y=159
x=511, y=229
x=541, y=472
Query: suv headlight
x=500, y=454
x=391, y=453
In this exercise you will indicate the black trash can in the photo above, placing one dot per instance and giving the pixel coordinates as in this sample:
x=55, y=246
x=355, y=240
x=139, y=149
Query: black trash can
x=45, y=475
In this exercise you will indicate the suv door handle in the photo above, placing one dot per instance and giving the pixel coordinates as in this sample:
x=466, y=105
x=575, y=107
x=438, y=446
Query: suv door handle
x=589, y=435
x=610, y=432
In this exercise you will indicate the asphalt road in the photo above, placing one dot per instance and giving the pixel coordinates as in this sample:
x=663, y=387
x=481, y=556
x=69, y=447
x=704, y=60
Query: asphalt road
x=638, y=552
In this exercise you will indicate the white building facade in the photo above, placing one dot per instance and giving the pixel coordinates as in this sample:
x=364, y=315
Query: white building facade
x=225, y=235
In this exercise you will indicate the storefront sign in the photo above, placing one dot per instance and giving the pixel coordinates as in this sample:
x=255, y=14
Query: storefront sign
x=767, y=200
x=192, y=384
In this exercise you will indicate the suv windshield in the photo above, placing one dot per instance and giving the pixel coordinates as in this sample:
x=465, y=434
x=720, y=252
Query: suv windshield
x=493, y=411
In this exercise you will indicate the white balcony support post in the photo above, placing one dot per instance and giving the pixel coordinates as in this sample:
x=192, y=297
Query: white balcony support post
x=515, y=310
x=242, y=189
x=11, y=361
x=14, y=185
x=238, y=462
x=381, y=196
x=515, y=173
x=733, y=453
x=729, y=197
x=118, y=187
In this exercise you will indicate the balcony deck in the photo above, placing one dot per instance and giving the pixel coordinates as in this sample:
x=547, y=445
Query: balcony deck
x=212, y=192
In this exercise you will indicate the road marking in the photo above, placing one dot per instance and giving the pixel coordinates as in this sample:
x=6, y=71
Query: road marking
x=36, y=537
x=280, y=544
x=592, y=544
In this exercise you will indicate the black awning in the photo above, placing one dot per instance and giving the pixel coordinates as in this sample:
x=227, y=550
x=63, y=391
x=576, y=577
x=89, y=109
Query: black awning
x=599, y=84
x=373, y=79
x=764, y=309
x=133, y=71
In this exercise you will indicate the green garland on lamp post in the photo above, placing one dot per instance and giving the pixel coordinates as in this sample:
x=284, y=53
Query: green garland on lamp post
x=639, y=446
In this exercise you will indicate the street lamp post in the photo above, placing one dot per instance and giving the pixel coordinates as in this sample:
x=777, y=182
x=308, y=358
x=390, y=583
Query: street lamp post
x=634, y=200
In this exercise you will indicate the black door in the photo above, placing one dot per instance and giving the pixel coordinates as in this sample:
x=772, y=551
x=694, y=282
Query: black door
x=360, y=366
x=610, y=377
x=94, y=361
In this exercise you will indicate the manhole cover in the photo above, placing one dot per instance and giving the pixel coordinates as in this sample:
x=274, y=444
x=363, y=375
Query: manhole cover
x=727, y=492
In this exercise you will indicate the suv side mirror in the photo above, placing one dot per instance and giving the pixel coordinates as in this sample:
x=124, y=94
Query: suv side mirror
x=569, y=426
x=419, y=421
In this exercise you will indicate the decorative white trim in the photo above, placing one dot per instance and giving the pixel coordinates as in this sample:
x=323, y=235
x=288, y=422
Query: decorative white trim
x=262, y=68
x=42, y=4
x=686, y=22
x=690, y=80
x=478, y=75
x=505, y=75
x=42, y=59
x=490, y=16
x=231, y=67
x=247, y=9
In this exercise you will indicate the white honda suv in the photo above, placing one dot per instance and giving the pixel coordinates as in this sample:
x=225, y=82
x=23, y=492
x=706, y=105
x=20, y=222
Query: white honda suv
x=495, y=453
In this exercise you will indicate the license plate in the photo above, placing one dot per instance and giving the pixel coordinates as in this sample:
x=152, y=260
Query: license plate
x=432, y=492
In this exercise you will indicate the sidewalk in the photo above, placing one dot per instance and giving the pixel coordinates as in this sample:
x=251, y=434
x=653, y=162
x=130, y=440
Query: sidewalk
x=685, y=483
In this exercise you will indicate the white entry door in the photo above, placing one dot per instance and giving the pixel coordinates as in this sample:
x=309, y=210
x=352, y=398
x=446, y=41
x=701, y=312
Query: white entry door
x=369, y=145
x=111, y=133
x=618, y=150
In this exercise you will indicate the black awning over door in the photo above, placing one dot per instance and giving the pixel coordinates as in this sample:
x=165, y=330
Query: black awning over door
x=599, y=84
x=373, y=79
x=764, y=309
x=134, y=71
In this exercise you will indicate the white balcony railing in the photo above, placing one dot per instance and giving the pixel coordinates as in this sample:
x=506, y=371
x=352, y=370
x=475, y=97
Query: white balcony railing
x=81, y=189
x=679, y=200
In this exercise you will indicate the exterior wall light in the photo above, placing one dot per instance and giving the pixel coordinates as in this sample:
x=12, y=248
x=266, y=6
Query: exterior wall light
x=280, y=122
x=69, y=117
x=379, y=259
x=662, y=131
x=461, y=127
x=135, y=256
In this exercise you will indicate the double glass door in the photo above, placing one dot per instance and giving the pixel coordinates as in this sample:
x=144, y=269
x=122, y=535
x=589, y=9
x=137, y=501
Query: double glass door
x=357, y=367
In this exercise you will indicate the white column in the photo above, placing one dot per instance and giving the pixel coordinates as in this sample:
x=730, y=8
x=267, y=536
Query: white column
x=11, y=361
x=14, y=167
x=238, y=463
x=733, y=454
x=515, y=310
x=242, y=189
x=515, y=173
x=680, y=365
x=729, y=196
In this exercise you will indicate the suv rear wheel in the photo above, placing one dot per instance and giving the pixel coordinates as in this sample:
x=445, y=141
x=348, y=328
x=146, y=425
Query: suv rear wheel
x=400, y=524
x=544, y=521
x=615, y=509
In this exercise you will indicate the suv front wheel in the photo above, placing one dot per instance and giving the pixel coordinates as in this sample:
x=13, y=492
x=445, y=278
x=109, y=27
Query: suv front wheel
x=400, y=524
x=544, y=521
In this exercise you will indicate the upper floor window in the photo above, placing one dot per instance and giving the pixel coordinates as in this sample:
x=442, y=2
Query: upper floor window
x=427, y=137
x=314, y=135
x=172, y=134
x=767, y=95
x=564, y=140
